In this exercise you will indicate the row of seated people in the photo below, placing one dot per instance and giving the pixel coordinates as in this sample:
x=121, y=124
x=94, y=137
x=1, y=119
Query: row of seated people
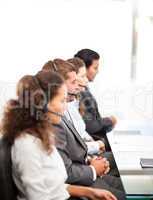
x=54, y=144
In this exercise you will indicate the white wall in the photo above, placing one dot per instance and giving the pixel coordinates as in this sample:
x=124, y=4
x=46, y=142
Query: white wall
x=34, y=31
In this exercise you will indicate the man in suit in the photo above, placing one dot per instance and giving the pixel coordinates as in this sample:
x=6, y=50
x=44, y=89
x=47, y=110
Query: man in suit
x=96, y=125
x=82, y=171
x=75, y=118
x=73, y=149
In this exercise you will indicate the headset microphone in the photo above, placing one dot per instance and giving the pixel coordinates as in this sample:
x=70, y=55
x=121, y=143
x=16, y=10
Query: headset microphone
x=72, y=94
x=55, y=113
x=84, y=86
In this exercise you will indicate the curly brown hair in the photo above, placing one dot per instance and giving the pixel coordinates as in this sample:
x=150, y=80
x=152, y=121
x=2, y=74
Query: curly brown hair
x=28, y=111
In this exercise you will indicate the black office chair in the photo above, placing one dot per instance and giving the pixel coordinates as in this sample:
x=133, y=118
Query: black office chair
x=8, y=189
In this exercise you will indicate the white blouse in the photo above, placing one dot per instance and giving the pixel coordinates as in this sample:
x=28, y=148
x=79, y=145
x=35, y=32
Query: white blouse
x=38, y=175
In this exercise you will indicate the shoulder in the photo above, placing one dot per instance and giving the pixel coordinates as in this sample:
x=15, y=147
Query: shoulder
x=26, y=143
x=26, y=138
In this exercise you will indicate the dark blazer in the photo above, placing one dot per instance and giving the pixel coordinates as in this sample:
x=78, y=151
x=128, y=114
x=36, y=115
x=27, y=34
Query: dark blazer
x=8, y=190
x=93, y=120
x=73, y=150
x=74, y=153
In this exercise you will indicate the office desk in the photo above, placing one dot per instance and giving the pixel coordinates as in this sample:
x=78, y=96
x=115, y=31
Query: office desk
x=128, y=147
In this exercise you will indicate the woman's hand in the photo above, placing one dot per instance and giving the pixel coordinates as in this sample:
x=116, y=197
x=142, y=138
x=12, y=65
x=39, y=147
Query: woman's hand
x=91, y=193
x=99, y=194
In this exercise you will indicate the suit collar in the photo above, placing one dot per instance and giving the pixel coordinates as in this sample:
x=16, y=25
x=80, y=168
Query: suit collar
x=75, y=133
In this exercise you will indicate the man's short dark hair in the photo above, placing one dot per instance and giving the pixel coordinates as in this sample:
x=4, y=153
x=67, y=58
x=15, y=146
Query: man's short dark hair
x=87, y=55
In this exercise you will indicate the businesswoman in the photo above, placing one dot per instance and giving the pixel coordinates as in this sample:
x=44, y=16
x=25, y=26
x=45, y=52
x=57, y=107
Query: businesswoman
x=38, y=170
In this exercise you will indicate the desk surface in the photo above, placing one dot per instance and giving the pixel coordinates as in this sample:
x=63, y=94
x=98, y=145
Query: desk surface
x=128, y=148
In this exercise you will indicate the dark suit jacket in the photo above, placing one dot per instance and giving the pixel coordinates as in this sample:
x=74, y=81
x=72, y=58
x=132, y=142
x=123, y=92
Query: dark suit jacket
x=8, y=190
x=93, y=120
x=74, y=153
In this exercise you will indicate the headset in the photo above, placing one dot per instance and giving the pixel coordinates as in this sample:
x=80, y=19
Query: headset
x=72, y=94
x=55, y=67
x=55, y=113
x=45, y=109
x=83, y=86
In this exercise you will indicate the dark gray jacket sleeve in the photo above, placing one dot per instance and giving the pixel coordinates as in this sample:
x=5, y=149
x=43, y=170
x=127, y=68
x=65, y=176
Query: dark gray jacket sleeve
x=107, y=124
x=102, y=125
x=78, y=173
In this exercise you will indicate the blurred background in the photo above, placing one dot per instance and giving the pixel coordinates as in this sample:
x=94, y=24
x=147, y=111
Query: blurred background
x=34, y=31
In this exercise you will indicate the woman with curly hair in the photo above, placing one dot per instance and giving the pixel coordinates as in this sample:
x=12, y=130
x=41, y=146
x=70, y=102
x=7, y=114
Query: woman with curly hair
x=38, y=170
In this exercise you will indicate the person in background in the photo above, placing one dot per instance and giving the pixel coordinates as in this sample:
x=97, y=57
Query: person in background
x=72, y=148
x=94, y=147
x=69, y=73
x=37, y=168
x=96, y=125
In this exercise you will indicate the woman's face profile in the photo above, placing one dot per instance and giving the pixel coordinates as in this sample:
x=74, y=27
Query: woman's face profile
x=59, y=103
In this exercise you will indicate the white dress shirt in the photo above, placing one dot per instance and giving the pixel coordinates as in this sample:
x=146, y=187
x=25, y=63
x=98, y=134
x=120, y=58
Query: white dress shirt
x=74, y=116
x=37, y=174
